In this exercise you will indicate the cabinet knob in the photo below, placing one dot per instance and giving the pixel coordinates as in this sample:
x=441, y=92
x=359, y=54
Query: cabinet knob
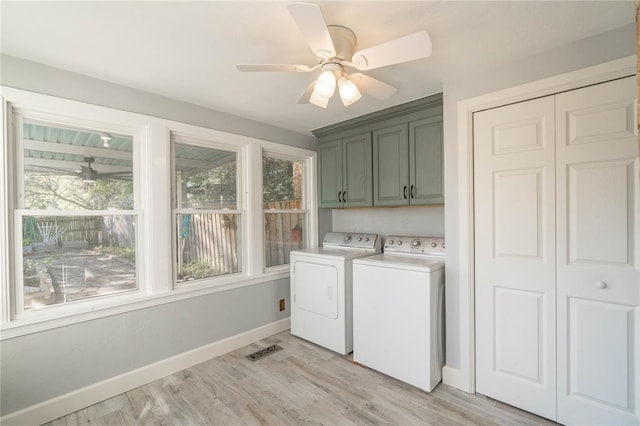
x=601, y=285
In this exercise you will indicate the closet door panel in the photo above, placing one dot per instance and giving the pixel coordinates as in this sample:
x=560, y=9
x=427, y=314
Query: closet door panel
x=597, y=274
x=515, y=255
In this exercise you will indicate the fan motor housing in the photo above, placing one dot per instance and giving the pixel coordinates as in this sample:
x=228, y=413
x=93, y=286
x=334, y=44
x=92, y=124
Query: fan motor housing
x=344, y=41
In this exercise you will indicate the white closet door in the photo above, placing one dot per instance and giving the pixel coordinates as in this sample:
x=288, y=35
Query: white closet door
x=597, y=279
x=515, y=255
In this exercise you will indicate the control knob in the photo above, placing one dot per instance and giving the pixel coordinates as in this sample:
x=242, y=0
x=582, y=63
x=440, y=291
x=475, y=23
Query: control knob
x=415, y=243
x=390, y=242
x=347, y=239
x=359, y=238
x=434, y=245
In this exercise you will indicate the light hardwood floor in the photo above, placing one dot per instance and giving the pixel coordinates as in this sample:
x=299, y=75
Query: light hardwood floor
x=302, y=384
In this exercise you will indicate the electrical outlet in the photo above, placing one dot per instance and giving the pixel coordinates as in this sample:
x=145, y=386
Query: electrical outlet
x=281, y=305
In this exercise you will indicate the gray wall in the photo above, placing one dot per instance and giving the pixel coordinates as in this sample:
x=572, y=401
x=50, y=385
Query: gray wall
x=41, y=366
x=425, y=221
x=463, y=84
x=22, y=74
x=44, y=365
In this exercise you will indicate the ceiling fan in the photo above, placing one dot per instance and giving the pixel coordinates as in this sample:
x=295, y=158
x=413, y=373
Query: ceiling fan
x=88, y=174
x=335, y=45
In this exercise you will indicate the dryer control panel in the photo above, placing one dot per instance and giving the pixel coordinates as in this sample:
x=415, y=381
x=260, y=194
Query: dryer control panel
x=428, y=246
x=352, y=240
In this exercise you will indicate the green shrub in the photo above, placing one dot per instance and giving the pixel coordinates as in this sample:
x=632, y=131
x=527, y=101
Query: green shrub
x=197, y=269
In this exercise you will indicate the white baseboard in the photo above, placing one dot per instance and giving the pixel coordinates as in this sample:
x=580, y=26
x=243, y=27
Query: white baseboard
x=454, y=378
x=76, y=400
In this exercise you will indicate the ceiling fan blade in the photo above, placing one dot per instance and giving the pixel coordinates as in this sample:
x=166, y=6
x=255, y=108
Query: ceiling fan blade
x=306, y=96
x=311, y=23
x=275, y=68
x=403, y=49
x=373, y=87
x=115, y=174
x=38, y=168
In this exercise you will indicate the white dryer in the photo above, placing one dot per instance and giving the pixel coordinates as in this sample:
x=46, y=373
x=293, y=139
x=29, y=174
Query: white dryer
x=321, y=289
x=398, y=317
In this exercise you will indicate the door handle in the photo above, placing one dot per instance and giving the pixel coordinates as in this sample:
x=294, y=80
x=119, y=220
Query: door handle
x=339, y=194
x=404, y=191
x=344, y=196
x=412, y=191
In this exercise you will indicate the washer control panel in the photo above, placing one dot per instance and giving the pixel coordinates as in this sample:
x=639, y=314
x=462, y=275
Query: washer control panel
x=431, y=246
x=351, y=239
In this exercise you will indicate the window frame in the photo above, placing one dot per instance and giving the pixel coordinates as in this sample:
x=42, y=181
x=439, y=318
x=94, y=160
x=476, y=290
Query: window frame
x=282, y=155
x=17, y=116
x=153, y=205
x=186, y=139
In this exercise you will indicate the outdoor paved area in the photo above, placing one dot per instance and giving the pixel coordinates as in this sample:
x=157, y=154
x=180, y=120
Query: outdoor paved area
x=78, y=274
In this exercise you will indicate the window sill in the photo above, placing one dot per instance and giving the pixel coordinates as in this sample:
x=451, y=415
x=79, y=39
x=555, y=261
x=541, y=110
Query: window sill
x=88, y=312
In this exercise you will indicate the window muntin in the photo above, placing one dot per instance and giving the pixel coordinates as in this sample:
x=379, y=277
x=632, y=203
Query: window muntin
x=208, y=224
x=284, y=217
x=76, y=222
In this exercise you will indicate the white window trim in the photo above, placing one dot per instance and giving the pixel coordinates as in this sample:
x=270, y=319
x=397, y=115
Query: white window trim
x=207, y=140
x=308, y=198
x=155, y=260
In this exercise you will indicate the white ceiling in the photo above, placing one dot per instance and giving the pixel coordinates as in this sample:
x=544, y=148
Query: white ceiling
x=188, y=50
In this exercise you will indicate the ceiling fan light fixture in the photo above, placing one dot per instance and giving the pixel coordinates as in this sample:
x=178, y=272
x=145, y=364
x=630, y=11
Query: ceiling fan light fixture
x=318, y=100
x=349, y=92
x=106, y=140
x=325, y=84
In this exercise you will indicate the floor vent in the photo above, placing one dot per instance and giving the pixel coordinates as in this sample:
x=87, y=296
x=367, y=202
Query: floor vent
x=264, y=352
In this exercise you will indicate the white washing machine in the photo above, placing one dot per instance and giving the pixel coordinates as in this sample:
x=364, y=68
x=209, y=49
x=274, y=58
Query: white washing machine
x=321, y=289
x=398, y=310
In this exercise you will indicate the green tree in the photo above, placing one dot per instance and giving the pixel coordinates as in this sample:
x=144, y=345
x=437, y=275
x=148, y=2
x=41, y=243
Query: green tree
x=50, y=191
x=214, y=188
x=278, y=179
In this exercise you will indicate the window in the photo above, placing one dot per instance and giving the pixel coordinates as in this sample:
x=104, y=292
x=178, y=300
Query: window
x=104, y=211
x=284, y=217
x=207, y=218
x=76, y=219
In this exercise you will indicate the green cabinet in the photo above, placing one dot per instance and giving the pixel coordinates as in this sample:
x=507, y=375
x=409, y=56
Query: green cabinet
x=344, y=172
x=407, y=163
x=387, y=158
x=391, y=166
x=426, y=183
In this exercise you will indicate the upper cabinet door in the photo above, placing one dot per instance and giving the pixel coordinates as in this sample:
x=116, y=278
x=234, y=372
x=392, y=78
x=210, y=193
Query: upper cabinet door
x=330, y=174
x=425, y=161
x=390, y=166
x=356, y=166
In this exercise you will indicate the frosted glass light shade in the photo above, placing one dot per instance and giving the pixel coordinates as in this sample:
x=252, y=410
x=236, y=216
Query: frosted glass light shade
x=325, y=84
x=349, y=93
x=318, y=100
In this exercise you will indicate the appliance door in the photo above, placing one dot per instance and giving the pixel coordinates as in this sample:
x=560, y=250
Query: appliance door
x=319, y=301
x=315, y=288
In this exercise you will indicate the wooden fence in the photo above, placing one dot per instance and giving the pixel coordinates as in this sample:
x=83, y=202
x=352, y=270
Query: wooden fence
x=211, y=238
x=214, y=238
x=114, y=230
x=284, y=232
